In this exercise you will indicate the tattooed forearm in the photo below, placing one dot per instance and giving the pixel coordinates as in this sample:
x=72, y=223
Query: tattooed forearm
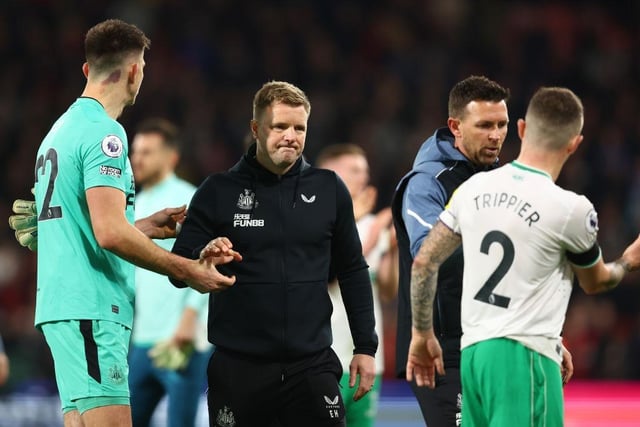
x=435, y=249
x=423, y=289
x=617, y=270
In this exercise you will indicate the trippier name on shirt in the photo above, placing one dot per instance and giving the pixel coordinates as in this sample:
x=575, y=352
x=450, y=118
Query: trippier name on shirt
x=509, y=202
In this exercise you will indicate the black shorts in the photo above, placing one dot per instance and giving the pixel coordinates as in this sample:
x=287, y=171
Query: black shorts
x=441, y=407
x=247, y=392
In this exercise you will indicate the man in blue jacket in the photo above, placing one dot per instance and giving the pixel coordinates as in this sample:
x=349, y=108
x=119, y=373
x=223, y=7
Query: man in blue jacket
x=476, y=129
x=290, y=227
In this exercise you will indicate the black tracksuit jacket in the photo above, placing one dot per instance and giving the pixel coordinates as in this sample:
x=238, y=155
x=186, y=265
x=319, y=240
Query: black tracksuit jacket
x=294, y=232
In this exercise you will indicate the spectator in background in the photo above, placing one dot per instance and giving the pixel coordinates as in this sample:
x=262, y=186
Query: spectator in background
x=349, y=162
x=169, y=349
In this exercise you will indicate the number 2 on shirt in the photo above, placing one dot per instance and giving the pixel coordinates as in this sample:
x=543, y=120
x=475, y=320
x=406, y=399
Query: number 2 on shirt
x=485, y=294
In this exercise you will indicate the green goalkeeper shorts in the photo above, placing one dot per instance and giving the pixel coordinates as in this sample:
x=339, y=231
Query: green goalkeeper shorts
x=506, y=384
x=363, y=412
x=90, y=360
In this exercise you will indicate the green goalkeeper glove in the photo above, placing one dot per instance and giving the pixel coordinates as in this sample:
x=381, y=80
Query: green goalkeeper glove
x=25, y=223
x=167, y=355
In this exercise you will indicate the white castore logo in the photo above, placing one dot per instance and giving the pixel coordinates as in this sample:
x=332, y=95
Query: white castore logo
x=331, y=402
x=308, y=199
x=332, y=406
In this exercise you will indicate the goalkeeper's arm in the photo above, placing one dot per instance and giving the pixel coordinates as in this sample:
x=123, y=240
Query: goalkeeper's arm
x=24, y=221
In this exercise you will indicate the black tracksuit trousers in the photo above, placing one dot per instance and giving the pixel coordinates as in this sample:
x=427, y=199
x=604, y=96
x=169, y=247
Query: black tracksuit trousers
x=245, y=391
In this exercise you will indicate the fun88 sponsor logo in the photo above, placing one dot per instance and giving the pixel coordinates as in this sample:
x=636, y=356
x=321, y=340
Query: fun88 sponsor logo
x=245, y=221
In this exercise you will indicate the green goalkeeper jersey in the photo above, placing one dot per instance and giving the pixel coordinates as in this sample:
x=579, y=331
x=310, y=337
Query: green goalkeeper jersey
x=77, y=279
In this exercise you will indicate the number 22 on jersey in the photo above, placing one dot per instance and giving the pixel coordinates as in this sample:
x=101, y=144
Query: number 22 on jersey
x=49, y=158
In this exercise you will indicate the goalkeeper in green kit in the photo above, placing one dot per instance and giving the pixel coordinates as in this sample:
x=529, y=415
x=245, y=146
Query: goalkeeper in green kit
x=86, y=239
x=170, y=357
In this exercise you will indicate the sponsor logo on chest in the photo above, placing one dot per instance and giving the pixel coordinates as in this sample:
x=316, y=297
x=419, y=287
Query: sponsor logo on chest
x=245, y=221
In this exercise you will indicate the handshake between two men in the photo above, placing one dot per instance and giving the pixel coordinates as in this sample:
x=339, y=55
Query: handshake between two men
x=163, y=224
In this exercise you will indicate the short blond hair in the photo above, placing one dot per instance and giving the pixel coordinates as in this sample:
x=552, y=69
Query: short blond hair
x=281, y=92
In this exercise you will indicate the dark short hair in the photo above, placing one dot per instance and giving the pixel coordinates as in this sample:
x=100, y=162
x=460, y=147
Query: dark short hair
x=163, y=127
x=334, y=151
x=474, y=88
x=108, y=43
x=556, y=114
x=275, y=91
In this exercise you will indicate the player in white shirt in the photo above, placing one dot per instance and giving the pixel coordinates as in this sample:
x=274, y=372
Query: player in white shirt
x=349, y=161
x=522, y=297
x=523, y=239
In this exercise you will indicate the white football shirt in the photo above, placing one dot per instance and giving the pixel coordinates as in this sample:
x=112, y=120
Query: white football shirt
x=518, y=229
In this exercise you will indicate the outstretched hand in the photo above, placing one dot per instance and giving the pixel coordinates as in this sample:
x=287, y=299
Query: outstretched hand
x=220, y=246
x=631, y=255
x=207, y=278
x=163, y=224
x=216, y=252
x=425, y=359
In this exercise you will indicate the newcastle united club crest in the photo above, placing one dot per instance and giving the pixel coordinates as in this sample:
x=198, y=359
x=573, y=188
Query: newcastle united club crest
x=247, y=200
x=225, y=418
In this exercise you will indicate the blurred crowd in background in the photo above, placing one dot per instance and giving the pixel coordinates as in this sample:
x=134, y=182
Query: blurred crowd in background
x=377, y=74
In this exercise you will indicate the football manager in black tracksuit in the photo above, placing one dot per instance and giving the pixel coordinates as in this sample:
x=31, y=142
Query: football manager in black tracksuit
x=290, y=228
